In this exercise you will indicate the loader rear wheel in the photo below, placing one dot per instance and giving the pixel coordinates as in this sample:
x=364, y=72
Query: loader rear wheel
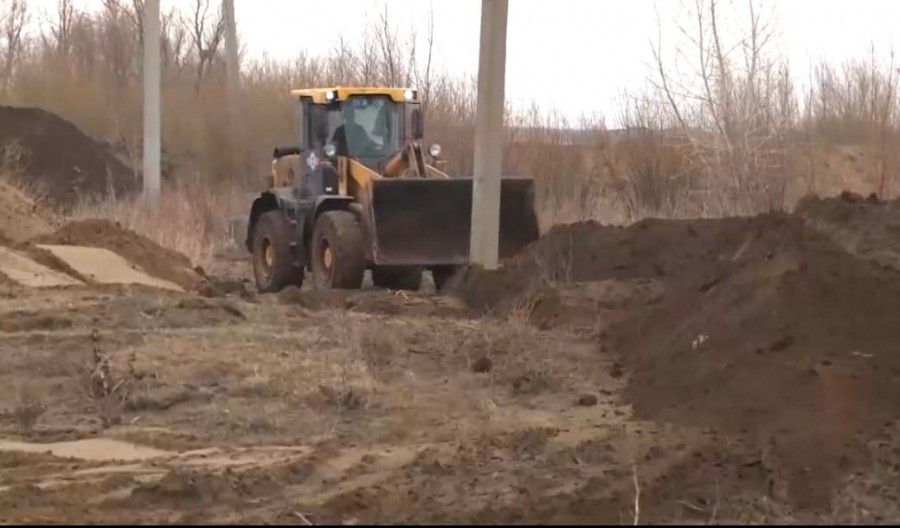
x=273, y=266
x=338, y=257
x=397, y=278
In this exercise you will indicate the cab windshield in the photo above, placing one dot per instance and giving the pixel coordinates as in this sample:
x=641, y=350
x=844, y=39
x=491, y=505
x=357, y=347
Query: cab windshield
x=366, y=126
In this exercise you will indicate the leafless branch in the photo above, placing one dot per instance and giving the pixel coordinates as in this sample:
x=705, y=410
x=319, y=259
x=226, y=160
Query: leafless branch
x=13, y=19
x=208, y=34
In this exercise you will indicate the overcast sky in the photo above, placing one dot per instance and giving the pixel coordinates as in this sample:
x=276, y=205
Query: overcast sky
x=556, y=48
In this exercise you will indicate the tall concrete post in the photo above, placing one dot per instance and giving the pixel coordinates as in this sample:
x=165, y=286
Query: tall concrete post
x=485, y=239
x=231, y=46
x=233, y=75
x=152, y=128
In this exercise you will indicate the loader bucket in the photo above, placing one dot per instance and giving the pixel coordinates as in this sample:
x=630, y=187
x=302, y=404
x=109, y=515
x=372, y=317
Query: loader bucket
x=428, y=222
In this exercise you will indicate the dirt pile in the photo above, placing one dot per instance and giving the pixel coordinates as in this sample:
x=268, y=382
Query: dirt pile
x=58, y=160
x=768, y=330
x=20, y=218
x=789, y=339
x=152, y=258
x=867, y=227
x=676, y=252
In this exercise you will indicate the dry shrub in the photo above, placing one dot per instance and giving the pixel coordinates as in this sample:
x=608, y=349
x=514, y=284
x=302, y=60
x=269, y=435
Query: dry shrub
x=190, y=219
x=856, y=105
x=349, y=381
x=29, y=406
x=108, y=387
x=545, y=147
x=649, y=165
x=379, y=345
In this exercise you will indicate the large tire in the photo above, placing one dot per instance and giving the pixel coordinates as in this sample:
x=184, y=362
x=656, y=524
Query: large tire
x=442, y=276
x=398, y=278
x=273, y=266
x=337, y=252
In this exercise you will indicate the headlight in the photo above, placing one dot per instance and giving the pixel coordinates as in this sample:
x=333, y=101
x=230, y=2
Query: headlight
x=408, y=95
x=434, y=150
x=329, y=95
x=329, y=150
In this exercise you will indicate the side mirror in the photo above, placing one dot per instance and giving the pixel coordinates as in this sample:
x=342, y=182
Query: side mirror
x=418, y=127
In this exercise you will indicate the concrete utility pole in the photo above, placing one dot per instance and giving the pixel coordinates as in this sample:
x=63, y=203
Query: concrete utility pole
x=152, y=132
x=233, y=74
x=231, y=47
x=484, y=244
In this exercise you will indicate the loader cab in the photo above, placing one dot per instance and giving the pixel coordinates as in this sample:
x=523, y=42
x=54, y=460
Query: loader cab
x=368, y=126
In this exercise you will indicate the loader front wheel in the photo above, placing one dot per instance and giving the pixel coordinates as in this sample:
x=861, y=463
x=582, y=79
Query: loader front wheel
x=397, y=278
x=443, y=275
x=338, y=257
x=273, y=266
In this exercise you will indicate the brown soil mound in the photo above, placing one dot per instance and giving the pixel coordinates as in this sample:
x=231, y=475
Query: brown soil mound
x=867, y=227
x=19, y=216
x=59, y=160
x=768, y=330
x=665, y=250
x=152, y=258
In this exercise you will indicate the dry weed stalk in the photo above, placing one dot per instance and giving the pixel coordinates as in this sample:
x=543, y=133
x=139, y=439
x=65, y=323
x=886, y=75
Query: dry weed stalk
x=108, y=390
x=347, y=393
x=637, y=493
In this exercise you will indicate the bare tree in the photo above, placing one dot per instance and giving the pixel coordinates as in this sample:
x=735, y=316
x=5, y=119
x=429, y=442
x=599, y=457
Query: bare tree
x=14, y=16
x=424, y=79
x=344, y=63
x=61, y=28
x=136, y=14
x=120, y=47
x=368, y=59
x=208, y=34
x=391, y=55
x=736, y=111
x=175, y=45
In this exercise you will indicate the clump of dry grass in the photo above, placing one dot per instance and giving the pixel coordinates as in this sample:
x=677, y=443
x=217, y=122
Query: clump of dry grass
x=190, y=219
x=349, y=379
x=108, y=389
x=29, y=407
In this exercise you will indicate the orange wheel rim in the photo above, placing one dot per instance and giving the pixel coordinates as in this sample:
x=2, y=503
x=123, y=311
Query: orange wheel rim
x=269, y=256
x=328, y=258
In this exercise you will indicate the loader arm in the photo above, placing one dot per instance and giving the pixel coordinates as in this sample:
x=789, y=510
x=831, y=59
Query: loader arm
x=398, y=164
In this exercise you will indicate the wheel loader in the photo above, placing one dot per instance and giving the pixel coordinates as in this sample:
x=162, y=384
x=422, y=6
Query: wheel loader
x=358, y=192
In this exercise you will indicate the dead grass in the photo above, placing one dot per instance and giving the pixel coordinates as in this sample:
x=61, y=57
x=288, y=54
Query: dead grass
x=29, y=406
x=190, y=219
x=346, y=377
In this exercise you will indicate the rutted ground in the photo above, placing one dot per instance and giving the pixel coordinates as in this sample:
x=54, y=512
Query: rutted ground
x=690, y=371
x=261, y=410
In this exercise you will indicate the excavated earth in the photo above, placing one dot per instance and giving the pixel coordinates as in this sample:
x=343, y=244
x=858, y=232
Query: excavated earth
x=148, y=255
x=728, y=370
x=58, y=161
x=778, y=331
